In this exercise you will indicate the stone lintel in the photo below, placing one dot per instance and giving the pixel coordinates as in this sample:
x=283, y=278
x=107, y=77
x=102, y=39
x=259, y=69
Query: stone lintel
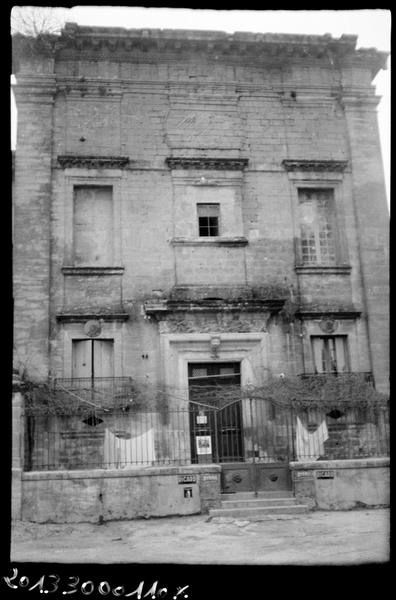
x=233, y=242
x=82, y=317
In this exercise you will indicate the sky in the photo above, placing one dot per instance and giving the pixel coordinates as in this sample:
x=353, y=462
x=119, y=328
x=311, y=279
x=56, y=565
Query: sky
x=372, y=26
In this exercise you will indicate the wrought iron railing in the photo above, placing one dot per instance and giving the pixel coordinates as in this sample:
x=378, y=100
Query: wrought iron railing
x=98, y=392
x=365, y=376
x=242, y=431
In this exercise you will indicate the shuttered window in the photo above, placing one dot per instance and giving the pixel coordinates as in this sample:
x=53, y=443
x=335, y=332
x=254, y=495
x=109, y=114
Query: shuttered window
x=92, y=358
x=93, y=226
x=330, y=353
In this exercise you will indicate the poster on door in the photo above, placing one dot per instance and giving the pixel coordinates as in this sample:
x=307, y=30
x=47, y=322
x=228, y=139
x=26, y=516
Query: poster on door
x=204, y=444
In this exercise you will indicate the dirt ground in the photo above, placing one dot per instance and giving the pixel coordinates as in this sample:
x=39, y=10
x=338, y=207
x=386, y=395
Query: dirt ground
x=321, y=537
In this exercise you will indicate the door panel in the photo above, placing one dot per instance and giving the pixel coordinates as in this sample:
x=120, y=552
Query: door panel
x=82, y=358
x=229, y=432
x=252, y=439
x=103, y=358
x=247, y=477
x=220, y=431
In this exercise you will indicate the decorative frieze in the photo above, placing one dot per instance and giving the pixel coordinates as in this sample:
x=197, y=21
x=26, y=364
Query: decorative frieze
x=337, y=166
x=219, y=324
x=93, y=162
x=225, y=164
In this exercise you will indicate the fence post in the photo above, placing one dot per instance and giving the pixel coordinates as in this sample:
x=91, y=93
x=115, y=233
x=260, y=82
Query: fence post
x=17, y=455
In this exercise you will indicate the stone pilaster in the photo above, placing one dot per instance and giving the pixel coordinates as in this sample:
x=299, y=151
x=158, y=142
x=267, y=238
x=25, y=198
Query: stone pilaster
x=372, y=220
x=34, y=95
x=17, y=455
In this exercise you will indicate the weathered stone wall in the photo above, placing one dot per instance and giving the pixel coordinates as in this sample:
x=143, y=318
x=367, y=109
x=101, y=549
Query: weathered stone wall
x=78, y=496
x=32, y=209
x=149, y=105
x=342, y=484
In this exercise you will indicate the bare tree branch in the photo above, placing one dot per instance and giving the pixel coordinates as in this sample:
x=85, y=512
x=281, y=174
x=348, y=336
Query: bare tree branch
x=37, y=20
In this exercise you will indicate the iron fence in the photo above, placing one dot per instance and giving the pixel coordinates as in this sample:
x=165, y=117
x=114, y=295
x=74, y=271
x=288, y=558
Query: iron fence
x=243, y=430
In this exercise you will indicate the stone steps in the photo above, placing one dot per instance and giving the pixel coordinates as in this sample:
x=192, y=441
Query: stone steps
x=252, y=495
x=259, y=502
x=251, y=507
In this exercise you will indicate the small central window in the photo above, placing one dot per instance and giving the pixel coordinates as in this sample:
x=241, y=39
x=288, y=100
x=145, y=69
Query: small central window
x=208, y=219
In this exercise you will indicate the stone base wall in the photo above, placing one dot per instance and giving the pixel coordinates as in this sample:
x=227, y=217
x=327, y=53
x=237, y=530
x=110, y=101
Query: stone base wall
x=342, y=484
x=101, y=495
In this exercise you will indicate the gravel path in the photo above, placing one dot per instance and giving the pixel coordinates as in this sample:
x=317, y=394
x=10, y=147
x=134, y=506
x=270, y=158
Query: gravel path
x=326, y=538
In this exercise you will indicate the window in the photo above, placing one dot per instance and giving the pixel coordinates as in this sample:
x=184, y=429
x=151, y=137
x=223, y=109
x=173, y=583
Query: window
x=92, y=358
x=208, y=219
x=93, y=226
x=317, y=226
x=330, y=353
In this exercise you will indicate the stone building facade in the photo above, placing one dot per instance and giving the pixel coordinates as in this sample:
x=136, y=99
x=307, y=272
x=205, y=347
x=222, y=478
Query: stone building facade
x=189, y=197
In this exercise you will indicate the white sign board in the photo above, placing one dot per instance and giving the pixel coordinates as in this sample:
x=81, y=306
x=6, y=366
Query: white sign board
x=204, y=444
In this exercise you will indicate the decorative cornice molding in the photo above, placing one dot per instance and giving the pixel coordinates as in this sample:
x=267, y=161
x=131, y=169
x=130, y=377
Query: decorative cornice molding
x=328, y=313
x=98, y=315
x=161, y=308
x=323, y=269
x=93, y=162
x=86, y=271
x=225, y=164
x=338, y=166
x=235, y=241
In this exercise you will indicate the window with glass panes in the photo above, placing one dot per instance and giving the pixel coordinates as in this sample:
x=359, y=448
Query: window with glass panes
x=208, y=219
x=317, y=226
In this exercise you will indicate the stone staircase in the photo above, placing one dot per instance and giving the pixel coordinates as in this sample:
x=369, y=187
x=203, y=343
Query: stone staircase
x=251, y=507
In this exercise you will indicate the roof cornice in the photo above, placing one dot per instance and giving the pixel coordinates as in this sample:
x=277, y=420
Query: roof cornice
x=266, y=46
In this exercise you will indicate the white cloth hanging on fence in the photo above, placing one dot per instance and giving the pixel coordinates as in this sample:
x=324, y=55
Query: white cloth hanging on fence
x=310, y=446
x=126, y=452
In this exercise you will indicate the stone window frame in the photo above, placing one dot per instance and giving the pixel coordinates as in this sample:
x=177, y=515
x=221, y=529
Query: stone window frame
x=76, y=177
x=346, y=352
x=179, y=349
x=329, y=221
x=73, y=331
x=320, y=180
x=216, y=179
x=210, y=225
x=352, y=328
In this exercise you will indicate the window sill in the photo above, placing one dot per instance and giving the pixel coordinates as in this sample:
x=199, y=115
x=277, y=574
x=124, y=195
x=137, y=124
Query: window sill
x=92, y=270
x=210, y=241
x=323, y=269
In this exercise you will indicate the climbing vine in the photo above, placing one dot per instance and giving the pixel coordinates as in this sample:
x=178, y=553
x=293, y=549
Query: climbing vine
x=304, y=392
